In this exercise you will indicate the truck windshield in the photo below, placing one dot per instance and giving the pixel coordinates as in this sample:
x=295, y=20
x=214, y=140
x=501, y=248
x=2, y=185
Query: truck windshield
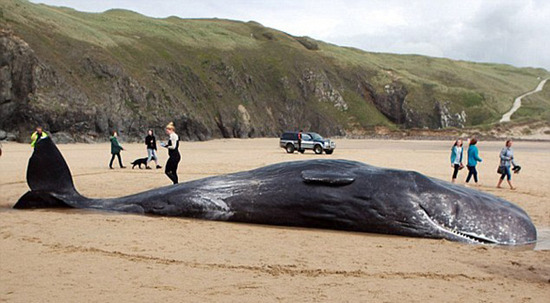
x=316, y=136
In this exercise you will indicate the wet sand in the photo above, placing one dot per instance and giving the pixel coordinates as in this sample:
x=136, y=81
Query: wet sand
x=86, y=256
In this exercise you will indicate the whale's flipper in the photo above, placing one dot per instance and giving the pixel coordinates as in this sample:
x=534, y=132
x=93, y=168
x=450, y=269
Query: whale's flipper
x=49, y=179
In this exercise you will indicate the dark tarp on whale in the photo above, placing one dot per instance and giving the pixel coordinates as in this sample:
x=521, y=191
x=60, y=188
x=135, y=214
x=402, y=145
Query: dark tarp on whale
x=332, y=194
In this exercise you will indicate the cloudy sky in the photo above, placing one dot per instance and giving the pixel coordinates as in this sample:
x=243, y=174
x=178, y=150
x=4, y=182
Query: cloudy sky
x=515, y=32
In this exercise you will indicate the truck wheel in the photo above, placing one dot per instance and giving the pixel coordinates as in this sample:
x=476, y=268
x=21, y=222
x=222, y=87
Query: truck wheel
x=329, y=151
x=289, y=148
x=318, y=149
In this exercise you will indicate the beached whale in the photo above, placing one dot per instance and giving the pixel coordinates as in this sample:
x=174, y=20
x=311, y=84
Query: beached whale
x=332, y=194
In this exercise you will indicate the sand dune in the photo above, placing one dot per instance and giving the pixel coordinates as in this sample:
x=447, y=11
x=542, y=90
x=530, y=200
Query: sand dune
x=85, y=256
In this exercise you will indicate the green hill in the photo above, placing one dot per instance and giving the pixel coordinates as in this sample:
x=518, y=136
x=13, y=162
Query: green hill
x=85, y=74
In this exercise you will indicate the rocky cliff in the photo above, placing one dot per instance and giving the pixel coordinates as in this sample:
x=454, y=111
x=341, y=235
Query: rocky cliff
x=83, y=75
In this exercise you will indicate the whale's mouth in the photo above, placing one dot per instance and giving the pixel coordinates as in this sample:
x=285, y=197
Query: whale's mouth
x=466, y=236
x=469, y=237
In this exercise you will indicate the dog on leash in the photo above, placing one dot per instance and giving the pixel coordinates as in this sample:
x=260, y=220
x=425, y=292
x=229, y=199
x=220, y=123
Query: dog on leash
x=138, y=162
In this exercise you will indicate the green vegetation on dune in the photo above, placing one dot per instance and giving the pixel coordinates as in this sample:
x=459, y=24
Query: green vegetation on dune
x=204, y=69
x=535, y=106
x=437, y=78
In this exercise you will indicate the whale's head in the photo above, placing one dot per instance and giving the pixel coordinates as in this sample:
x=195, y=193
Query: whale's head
x=474, y=216
x=427, y=207
x=356, y=196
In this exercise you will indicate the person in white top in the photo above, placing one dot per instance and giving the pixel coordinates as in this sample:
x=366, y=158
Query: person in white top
x=456, y=158
x=171, y=168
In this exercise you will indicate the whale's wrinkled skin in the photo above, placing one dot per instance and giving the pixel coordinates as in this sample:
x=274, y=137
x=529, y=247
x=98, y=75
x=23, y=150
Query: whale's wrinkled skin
x=332, y=194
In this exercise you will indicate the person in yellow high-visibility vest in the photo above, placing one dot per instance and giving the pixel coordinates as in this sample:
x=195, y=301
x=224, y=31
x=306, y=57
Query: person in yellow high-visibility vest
x=37, y=135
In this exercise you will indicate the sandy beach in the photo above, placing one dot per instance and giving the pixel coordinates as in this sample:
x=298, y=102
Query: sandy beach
x=88, y=256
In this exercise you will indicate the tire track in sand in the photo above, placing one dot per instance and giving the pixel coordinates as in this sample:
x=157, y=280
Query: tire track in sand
x=270, y=269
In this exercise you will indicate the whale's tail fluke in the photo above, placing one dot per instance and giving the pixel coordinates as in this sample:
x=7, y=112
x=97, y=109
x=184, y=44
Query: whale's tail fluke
x=49, y=179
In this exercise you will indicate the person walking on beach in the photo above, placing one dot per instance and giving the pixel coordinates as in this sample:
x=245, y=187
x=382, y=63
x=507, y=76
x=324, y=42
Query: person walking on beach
x=171, y=169
x=300, y=140
x=151, y=143
x=506, y=158
x=473, y=158
x=456, y=158
x=37, y=136
x=115, y=150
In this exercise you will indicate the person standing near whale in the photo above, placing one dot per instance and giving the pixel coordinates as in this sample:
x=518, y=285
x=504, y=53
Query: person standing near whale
x=171, y=169
x=506, y=160
x=300, y=140
x=456, y=158
x=473, y=159
x=116, y=148
x=37, y=135
x=151, y=143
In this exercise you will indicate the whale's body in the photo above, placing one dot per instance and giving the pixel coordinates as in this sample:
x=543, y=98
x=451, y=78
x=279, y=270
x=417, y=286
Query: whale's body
x=332, y=194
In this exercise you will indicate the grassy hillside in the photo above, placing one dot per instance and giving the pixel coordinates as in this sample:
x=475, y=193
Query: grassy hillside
x=485, y=91
x=535, y=107
x=228, y=78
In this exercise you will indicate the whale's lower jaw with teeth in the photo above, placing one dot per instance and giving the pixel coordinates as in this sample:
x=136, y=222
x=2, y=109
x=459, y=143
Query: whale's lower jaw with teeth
x=468, y=237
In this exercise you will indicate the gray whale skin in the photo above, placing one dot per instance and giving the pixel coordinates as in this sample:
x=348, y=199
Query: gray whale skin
x=331, y=194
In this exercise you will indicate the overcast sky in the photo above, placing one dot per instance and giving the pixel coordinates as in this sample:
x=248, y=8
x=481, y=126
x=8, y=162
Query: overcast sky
x=515, y=32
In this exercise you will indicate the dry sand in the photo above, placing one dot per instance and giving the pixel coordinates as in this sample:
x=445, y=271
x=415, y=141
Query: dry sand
x=85, y=256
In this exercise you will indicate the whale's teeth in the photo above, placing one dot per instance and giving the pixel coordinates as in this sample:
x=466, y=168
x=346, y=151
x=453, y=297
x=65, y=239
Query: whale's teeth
x=453, y=230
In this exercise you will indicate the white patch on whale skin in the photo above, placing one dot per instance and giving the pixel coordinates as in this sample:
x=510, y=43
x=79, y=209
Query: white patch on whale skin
x=212, y=196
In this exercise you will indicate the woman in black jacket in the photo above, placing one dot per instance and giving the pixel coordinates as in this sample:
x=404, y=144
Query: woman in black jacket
x=151, y=143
